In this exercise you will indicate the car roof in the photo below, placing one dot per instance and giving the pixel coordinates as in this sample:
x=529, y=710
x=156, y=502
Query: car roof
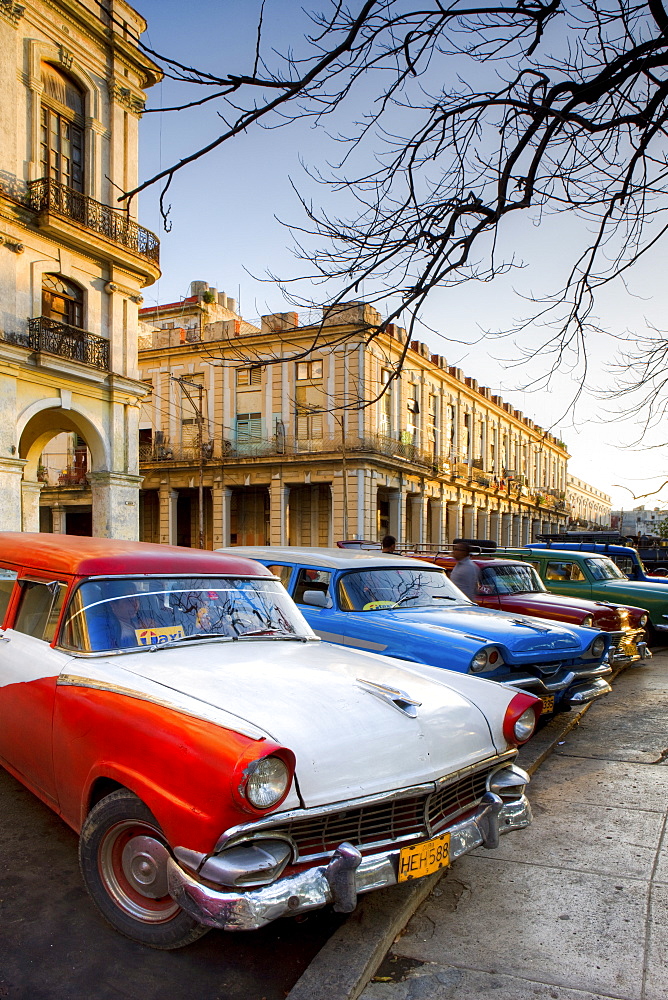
x=79, y=555
x=327, y=558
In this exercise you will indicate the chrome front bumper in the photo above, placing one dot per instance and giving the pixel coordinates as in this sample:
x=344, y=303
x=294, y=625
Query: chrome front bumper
x=340, y=881
x=562, y=683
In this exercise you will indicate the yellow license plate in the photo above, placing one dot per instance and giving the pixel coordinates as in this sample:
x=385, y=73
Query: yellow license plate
x=548, y=703
x=423, y=859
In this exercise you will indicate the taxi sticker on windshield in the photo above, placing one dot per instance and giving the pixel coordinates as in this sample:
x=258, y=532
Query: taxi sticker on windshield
x=374, y=605
x=155, y=636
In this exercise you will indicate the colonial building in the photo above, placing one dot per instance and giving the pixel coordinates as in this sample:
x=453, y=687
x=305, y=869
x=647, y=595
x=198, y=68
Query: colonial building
x=250, y=436
x=72, y=262
x=590, y=507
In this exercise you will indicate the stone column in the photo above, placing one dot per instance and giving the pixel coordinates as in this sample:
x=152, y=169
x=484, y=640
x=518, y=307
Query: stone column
x=454, y=521
x=483, y=523
x=506, y=529
x=30, y=505
x=397, y=502
x=443, y=524
x=115, y=505
x=419, y=515
x=11, y=474
x=167, y=498
x=435, y=523
x=495, y=526
x=470, y=526
x=279, y=499
x=220, y=499
x=516, y=529
x=526, y=530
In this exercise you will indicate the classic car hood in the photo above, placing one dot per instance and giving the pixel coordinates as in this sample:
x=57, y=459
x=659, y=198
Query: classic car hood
x=515, y=632
x=636, y=592
x=555, y=604
x=326, y=704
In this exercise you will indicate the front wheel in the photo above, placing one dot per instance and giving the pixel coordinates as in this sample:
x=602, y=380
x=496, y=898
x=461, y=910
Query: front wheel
x=123, y=860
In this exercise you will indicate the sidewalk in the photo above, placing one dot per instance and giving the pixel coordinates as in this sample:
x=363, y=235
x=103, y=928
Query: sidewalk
x=574, y=908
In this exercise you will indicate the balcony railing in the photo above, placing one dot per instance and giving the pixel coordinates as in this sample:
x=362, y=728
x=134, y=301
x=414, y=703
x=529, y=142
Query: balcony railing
x=70, y=342
x=48, y=195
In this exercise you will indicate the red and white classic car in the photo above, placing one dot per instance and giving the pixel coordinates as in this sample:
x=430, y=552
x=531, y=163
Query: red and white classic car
x=222, y=765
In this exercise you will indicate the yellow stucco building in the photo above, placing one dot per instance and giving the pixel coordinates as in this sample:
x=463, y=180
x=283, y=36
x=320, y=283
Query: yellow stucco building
x=252, y=435
x=73, y=262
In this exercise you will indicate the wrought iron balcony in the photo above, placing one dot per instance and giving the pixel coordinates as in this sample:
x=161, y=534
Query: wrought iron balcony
x=49, y=196
x=52, y=337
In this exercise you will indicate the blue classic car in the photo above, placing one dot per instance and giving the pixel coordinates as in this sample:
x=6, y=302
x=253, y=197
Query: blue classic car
x=410, y=610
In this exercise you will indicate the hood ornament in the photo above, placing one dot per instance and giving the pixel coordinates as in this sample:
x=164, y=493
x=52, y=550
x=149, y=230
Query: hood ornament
x=394, y=696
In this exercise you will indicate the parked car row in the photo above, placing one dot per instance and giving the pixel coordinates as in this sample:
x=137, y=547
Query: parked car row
x=409, y=609
x=222, y=765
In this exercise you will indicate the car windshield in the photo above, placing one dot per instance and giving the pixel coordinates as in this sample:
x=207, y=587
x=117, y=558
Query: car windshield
x=602, y=568
x=152, y=611
x=397, y=587
x=516, y=579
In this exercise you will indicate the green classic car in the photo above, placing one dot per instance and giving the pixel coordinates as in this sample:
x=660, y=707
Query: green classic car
x=597, y=578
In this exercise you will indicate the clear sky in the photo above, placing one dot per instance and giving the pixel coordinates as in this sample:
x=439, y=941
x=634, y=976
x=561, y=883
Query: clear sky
x=226, y=230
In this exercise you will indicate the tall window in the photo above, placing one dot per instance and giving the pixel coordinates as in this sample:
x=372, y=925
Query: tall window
x=385, y=424
x=62, y=300
x=62, y=131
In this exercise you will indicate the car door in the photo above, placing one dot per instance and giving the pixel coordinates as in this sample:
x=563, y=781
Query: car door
x=487, y=590
x=29, y=670
x=563, y=575
x=311, y=584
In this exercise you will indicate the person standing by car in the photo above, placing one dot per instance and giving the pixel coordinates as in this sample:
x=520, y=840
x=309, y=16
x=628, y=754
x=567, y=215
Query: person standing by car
x=388, y=544
x=465, y=573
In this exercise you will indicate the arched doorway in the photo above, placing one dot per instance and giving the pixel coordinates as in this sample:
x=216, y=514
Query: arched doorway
x=60, y=450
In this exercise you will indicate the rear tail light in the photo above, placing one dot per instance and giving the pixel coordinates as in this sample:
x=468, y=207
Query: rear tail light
x=521, y=718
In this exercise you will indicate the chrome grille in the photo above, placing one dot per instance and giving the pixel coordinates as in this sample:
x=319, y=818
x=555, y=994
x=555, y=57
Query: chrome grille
x=452, y=800
x=385, y=823
x=625, y=642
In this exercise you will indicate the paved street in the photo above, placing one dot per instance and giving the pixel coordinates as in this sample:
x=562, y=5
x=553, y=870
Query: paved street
x=55, y=946
x=575, y=907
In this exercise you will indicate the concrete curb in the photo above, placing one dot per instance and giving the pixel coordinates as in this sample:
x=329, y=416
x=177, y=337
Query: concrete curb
x=345, y=964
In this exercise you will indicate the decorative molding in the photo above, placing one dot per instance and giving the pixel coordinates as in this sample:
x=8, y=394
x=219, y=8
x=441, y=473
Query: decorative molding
x=11, y=11
x=125, y=97
x=129, y=293
x=11, y=244
x=66, y=57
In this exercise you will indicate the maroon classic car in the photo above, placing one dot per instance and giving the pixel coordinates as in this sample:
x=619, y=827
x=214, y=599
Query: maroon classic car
x=515, y=586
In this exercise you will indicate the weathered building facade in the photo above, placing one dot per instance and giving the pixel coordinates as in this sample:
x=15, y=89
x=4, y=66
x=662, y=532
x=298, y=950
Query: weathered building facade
x=589, y=506
x=251, y=437
x=72, y=263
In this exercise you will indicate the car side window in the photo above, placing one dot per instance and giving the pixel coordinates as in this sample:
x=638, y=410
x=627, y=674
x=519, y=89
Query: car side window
x=39, y=608
x=311, y=579
x=282, y=572
x=7, y=581
x=489, y=584
x=564, y=571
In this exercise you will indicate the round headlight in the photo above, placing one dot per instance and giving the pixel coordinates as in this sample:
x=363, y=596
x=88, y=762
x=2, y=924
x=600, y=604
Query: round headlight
x=598, y=646
x=479, y=661
x=525, y=725
x=267, y=782
x=588, y=620
x=644, y=620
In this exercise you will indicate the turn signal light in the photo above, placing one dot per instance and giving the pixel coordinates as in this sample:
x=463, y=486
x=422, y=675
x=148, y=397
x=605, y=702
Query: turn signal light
x=521, y=718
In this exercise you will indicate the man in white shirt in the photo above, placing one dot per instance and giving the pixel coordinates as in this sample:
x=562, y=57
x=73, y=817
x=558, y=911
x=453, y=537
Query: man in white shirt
x=465, y=573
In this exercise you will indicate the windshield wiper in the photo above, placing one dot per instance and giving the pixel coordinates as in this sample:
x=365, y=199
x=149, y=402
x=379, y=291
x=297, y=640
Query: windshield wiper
x=274, y=634
x=190, y=638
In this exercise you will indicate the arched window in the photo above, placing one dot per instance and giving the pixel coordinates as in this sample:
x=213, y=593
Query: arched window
x=62, y=300
x=62, y=129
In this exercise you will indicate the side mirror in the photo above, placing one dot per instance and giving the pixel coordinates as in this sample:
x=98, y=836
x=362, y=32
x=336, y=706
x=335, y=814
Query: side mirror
x=316, y=599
